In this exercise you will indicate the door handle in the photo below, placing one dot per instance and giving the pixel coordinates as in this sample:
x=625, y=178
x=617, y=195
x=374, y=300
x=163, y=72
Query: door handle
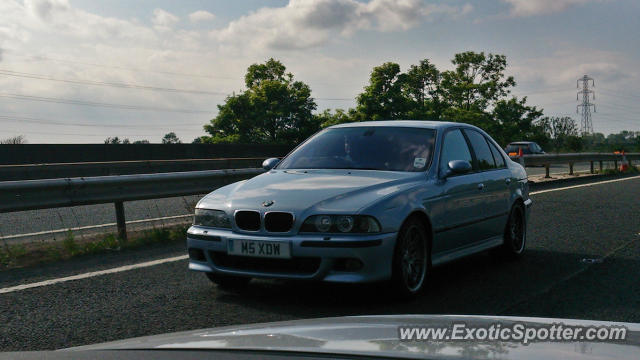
x=508, y=181
x=480, y=186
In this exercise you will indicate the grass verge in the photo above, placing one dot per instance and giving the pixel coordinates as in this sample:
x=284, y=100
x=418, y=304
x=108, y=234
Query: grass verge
x=23, y=255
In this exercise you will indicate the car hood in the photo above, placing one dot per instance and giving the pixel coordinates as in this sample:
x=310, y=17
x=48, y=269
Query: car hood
x=378, y=336
x=297, y=190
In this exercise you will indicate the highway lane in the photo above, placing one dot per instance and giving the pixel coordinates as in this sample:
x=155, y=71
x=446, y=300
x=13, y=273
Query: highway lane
x=552, y=280
x=52, y=224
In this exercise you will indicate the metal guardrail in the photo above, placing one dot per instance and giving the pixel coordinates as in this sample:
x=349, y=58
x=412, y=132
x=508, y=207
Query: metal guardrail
x=106, y=168
x=547, y=160
x=51, y=193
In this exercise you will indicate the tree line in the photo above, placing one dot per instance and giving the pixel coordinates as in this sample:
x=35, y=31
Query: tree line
x=276, y=108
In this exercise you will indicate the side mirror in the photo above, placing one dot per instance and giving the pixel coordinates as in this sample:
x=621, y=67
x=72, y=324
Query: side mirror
x=270, y=163
x=456, y=167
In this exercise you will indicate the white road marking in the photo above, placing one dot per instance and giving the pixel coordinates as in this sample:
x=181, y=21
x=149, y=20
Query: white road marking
x=583, y=185
x=92, y=274
x=15, y=236
x=184, y=257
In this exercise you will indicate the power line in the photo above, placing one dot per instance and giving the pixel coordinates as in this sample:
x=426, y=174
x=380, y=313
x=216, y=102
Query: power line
x=99, y=104
x=630, y=112
x=103, y=83
x=44, y=58
x=72, y=134
x=614, y=93
x=24, y=119
x=335, y=99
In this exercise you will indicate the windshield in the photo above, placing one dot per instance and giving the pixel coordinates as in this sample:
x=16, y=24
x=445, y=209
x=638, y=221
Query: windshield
x=365, y=148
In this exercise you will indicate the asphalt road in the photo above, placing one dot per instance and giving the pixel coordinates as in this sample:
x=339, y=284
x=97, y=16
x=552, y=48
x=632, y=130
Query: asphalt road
x=53, y=224
x=552, y=280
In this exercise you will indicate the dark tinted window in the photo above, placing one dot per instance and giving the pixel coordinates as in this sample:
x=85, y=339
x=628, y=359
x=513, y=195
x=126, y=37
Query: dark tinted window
x=497, y=156
x=481, y=148
x=365, y=148
x=454, y=147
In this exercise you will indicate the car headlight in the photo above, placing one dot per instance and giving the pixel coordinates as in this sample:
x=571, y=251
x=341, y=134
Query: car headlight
x=211, y=218
x=340, y=224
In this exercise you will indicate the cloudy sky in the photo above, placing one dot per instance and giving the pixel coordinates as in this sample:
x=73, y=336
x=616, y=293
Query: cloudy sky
x=77, y=71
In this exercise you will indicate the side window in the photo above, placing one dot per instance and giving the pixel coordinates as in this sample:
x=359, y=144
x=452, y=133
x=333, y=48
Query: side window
x=496, y=155
x=481, y=148
x=454, y=147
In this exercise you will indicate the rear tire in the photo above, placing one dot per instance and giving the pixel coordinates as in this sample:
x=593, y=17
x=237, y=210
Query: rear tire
x=411, y=259
x=515, y=234
x=228, y=282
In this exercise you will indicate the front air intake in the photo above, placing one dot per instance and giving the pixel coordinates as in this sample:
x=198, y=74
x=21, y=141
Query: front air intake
x=275, y=221
x=248, y=220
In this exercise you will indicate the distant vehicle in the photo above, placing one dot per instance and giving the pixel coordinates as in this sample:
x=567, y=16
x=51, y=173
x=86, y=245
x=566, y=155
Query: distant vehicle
x=365, y=202
x=528, y=148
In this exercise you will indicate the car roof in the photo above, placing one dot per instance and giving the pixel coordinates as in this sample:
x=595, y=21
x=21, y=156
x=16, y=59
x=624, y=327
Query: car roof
x=427, y=124
x=521, y=143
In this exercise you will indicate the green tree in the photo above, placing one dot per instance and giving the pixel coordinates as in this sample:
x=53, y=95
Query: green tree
x=574, y=143
x=558, y=130
x=116, y=140
x=477, y=81
x=20, y=139
x=513, y=120
x=383, y=98
x=422, y=90
x=273, y=109
x=171, y=138
x=328, y=118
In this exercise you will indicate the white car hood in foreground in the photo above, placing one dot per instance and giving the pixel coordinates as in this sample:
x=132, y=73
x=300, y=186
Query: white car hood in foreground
x=378, y=336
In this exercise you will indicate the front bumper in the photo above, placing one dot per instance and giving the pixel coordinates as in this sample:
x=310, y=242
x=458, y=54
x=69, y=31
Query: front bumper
x=312, y=257
x=527, y=208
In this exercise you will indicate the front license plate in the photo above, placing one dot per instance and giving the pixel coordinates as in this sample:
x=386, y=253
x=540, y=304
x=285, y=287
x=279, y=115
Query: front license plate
x=267, y=249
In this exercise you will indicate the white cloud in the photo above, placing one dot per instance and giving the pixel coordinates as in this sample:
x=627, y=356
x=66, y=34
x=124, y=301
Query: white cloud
x=541, y=7
x=164, y=20
x=200, y=16
x=307, y=23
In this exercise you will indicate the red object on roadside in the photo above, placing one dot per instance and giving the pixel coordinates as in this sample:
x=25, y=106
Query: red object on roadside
x=624, y=165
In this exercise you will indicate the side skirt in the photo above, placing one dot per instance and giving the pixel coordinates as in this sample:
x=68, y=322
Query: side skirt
x=439, y=259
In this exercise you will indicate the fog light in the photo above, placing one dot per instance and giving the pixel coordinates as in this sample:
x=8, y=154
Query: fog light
x=353, y=265
x=347, y=264
x=196, y=254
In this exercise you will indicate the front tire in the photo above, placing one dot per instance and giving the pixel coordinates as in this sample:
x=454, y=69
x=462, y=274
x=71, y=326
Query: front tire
x=411, y=259
x=228, y=282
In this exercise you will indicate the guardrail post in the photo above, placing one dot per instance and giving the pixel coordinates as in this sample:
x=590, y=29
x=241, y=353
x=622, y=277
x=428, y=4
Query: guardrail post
x=591, y=167
x=570, y=168
x=546, y=171
x=615, y=164
x=601, y=166
x=122, y=225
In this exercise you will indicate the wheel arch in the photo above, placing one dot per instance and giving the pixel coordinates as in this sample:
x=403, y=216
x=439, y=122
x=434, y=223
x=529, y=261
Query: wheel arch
x=424, y=219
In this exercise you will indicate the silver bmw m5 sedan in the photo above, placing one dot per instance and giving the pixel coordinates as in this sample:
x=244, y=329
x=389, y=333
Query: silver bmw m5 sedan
x=365, y=202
